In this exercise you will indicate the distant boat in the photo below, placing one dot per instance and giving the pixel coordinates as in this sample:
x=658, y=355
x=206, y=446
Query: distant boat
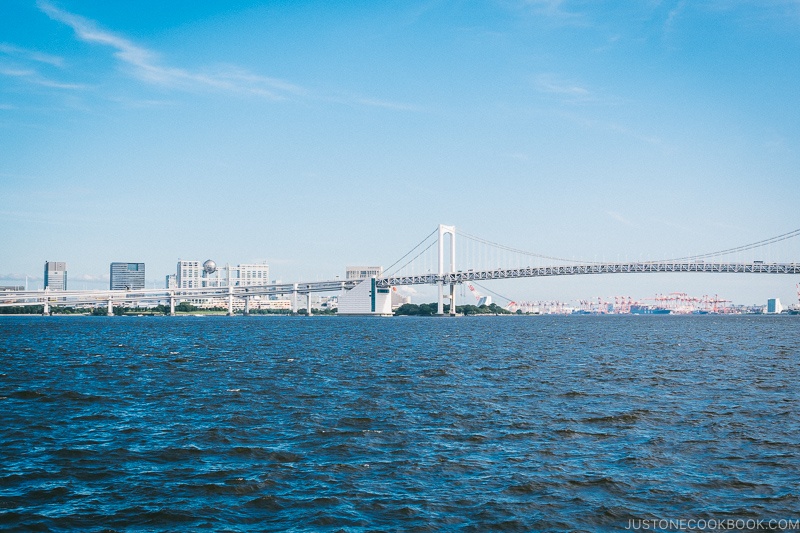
x=647, y=310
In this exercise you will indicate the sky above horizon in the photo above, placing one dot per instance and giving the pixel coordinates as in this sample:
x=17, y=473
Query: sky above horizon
x=315, y=135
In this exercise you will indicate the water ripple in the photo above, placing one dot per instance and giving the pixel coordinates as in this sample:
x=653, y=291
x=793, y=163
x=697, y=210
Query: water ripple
x=347, y=424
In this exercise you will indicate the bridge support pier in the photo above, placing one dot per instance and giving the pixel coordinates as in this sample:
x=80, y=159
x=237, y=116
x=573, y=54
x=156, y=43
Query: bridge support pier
x=246, y=306
x=451, y=297
x=171, y=305
x=110, y=307
x=445, y=230
x=294, y=299
x=308, y=304
x=46, y=308
x=230, y=300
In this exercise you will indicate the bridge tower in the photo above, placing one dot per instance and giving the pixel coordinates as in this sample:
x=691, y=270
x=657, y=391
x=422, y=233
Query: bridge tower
x=447, y=230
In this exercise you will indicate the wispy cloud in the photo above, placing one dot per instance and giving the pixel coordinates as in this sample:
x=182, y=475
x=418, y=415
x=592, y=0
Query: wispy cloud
x=32, y=76
x=552, y=84
x=91, y=277
x=31, y=55
x=649, y=139
x=672, y=16
x=47, y=218
x=145, y=64
x=555, y=9
x=373, y=102
x=589, y=123
x=17, y=276
x=139, y=103
x=619, y=218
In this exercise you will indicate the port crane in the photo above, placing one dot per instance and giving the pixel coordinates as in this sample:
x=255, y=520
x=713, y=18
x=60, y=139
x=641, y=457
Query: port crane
x=482, y=300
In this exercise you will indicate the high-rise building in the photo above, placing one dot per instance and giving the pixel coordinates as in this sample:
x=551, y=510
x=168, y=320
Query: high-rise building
x=55, y=275
x=251, y=274
x=127, y=276
x=189, y=274
x=194, y=274
x=171, y=281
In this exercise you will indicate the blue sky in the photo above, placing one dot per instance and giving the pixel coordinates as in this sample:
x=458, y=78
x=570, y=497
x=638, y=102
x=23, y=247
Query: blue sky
x=314, y=134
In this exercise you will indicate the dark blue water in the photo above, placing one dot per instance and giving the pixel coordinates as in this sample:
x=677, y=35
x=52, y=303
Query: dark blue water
x=403, y=424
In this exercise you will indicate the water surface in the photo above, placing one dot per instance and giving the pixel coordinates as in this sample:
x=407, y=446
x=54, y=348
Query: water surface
x=402, y=424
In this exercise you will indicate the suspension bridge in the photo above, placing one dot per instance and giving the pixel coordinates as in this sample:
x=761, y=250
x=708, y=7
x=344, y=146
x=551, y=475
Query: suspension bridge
x=431, y=262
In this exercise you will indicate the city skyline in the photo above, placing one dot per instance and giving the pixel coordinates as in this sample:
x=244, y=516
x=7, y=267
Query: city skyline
x=314, y=136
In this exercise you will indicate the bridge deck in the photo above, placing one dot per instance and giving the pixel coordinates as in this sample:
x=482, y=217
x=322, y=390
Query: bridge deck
x=592, y=268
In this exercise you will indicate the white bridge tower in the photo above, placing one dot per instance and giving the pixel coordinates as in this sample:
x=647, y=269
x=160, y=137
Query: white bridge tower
x=445, y=230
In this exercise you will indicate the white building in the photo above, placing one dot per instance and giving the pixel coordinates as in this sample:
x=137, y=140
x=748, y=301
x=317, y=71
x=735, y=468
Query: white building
x=194, y=274
x=366, y=299
x=363, y=272
x=250, y=274
x=774, y=306
x=189, y=274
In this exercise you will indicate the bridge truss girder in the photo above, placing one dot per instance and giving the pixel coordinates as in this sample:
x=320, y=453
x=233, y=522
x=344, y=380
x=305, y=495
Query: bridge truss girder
x=593, y=268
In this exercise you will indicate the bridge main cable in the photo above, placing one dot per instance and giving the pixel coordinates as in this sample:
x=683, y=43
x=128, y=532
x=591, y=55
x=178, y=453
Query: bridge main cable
x=389, y=268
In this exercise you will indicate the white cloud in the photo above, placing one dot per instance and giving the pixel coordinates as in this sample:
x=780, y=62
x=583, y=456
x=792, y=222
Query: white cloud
x=649, y=139
x=554, y=9
x=372, y=102
x=673, y=16
x=32, y=76
x=16, y=276
x=619, y=218
x=552, y=84
x=92, y=277
x=138, y=103
x=148, y=67
x=145, y=64
x=32, y=55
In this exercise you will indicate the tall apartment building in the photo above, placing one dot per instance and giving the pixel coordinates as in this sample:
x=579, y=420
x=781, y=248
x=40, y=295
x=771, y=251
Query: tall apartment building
x=55, y=275
x=127, y=276
x=171, y=281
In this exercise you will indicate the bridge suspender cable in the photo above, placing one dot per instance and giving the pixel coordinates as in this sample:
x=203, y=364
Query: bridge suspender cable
x=389, y=268
x=522, y=252
x=431, y=245
x=742, y=248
